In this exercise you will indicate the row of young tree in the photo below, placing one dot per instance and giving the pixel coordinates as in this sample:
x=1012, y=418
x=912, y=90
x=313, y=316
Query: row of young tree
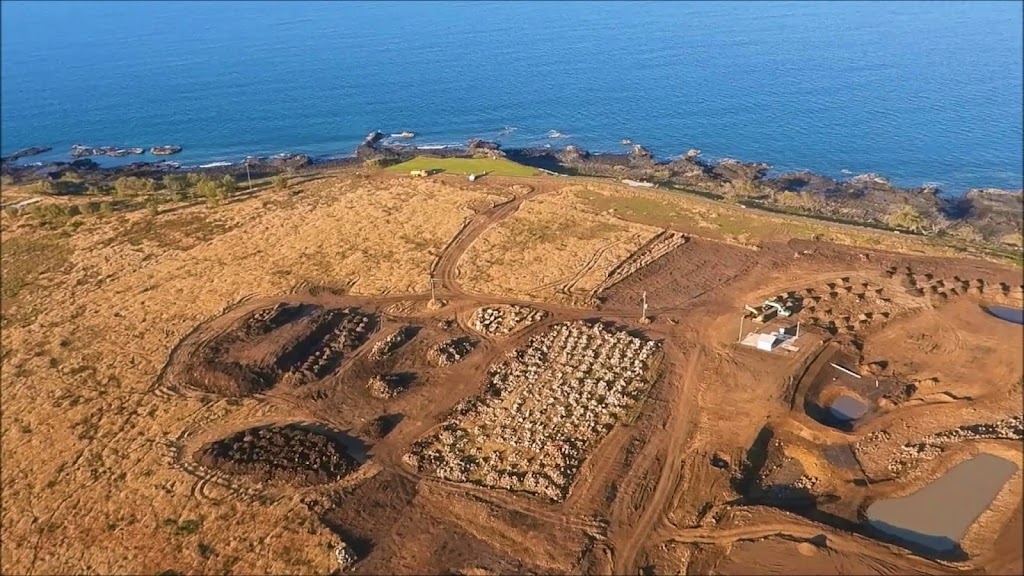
x=182, y=186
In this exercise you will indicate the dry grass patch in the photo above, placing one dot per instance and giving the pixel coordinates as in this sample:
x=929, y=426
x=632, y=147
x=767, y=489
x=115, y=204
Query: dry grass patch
x=109, y=301
x=553, y=247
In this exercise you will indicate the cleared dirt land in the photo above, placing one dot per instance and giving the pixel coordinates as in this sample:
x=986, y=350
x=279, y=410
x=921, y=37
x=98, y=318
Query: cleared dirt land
x=268, y=386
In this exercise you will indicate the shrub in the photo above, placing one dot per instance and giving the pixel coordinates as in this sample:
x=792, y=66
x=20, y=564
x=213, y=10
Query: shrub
x=74, y=210
x=132, y=185
x=175, y=182
x=228, y=184
x=194, y=178
x=44, y=186
x=907, y=218
x=208, y=188
x=90, y=208
x=280, y=181
x=1013, y=239
x=106, y=208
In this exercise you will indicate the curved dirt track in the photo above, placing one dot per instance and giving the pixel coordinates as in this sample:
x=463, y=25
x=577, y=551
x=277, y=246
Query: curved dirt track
x=447, y=266
x=678, y=429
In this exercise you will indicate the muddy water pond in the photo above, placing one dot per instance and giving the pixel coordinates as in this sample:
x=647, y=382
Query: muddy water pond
x=1015, y=315
x=848, y=408
x=938, y=515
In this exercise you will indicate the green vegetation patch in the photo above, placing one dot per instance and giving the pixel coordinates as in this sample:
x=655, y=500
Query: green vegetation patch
x=492, y=166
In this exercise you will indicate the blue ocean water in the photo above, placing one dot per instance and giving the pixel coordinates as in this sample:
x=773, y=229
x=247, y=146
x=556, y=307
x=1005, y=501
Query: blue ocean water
x=916, y=91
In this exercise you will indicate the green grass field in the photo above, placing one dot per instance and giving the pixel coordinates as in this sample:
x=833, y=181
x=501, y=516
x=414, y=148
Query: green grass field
x=492, y=166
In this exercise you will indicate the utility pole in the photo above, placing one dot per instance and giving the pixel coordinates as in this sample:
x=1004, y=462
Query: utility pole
x=643, y=314
x=740, y=337
x=432, y=298
x=247, y=177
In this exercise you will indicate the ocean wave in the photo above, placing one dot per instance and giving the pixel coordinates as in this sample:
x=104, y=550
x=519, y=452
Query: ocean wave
x=556, y=134
x=845, y=171
x=216, y=164
x=507, y=130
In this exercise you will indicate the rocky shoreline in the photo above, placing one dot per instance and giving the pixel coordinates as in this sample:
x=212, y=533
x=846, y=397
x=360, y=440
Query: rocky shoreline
x=991, y=216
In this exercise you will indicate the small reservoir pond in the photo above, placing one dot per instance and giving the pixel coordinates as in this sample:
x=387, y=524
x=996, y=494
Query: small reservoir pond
x=938, y=515
x=1015, y=315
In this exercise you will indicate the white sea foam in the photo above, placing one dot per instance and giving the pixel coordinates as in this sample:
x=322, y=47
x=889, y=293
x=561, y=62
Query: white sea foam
x=215, y=164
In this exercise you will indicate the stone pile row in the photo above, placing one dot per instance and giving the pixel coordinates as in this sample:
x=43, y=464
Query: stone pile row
x=543, y=408
x=504, y=320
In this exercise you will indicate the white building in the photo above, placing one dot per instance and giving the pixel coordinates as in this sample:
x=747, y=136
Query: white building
x=766, y=342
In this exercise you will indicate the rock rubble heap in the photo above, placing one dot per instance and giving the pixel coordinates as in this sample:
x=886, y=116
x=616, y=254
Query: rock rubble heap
x=504, y=320
x=543, y=408
x=452, y=351
x=932, y=446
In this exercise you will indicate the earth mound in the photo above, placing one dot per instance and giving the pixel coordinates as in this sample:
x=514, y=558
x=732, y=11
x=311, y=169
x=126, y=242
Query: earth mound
x=292, y=453
x=303, y=342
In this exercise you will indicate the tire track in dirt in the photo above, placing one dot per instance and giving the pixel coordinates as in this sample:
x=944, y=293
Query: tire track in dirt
x=446, y=267
x=678, y=430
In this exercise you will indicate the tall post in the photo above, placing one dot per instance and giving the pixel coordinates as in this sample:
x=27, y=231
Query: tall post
x=740, y=337
x=643, y=315
x=797, y=330
x=247, y=177
x=432, y=289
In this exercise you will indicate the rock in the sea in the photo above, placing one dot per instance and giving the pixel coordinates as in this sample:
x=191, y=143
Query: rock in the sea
x=373, y=137
x=870, y=179
x=24, y=153
x=639, y=152
x=691, y=154
x=164, y=150
x=80, y=151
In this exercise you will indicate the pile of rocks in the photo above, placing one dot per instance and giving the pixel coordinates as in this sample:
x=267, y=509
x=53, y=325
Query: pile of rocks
x=385, y=386
x=543, y=408
x=452, y=351
x=504, y=320
x=932, y=446
x=389, y=344
x=346, y=556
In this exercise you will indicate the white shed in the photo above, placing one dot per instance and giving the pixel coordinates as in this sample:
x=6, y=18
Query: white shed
x=766, y=342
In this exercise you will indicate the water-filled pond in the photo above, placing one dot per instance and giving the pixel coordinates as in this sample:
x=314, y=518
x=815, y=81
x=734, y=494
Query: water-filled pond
x=938, y=515
x=848, y=408
x=1015, y=315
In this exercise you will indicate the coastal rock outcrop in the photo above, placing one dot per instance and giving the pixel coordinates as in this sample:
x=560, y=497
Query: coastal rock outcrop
x=732, y=170
x=25, y=153
x=571, y=155
x=290, y=161
x=640, y=153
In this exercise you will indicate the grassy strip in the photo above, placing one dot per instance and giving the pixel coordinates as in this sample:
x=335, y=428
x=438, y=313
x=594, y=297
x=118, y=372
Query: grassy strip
x=492, y=166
